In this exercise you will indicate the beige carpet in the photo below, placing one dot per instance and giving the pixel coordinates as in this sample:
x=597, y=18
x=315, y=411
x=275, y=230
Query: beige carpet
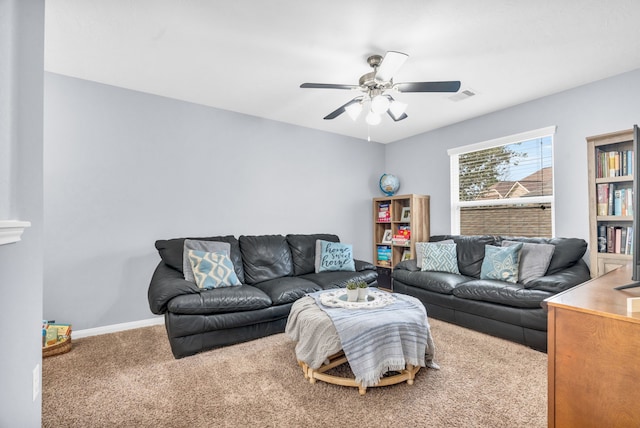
x=130, y=379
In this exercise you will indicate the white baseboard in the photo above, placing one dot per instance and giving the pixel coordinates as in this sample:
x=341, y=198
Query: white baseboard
x=78, y=334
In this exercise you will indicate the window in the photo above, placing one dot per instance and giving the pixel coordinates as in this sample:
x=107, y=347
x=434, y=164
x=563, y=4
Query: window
x=504, y=186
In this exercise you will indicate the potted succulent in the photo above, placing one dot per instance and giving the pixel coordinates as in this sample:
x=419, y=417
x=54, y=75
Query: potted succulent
x=363, y=291
x=352, y=291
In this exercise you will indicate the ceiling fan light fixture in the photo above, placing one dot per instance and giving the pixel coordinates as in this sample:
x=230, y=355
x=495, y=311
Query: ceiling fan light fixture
x=397, y=109
x=354, y=110
x=379, y=104
x=373, y=119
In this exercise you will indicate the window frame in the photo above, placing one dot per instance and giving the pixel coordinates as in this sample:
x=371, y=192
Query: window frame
x=454, y=154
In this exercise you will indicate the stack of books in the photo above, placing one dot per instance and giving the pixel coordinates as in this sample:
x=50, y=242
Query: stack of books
x=615, y=239
x=614, y=163
x=402, y=236
x=614, y=200
x=384, y=213
x=384, y=255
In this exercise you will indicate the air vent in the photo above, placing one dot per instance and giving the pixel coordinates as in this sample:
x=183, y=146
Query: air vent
x=462, y=95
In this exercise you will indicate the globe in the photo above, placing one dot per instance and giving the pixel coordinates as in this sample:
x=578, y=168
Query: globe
x=389, y=184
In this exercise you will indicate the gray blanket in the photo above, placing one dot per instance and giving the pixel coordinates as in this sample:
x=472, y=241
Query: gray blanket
x=374, y=340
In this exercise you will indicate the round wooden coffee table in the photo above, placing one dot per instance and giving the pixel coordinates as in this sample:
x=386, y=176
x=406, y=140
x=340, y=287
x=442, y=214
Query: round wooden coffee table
x=319, y=346
x=335, y=360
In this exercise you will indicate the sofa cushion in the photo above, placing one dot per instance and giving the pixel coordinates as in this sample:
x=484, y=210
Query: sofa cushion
x=303, y=251
x=438, y=282
x=534, y=260
x=439, y=257
x=339, y=279
x=501, y=292
x=501, y=263
x=287, y=289
x=470, y=251
x=265, y=257
x=566, y=254
x=220, y=300
x=333, y=256
x=207, y=246
x=171, y=251
x=212, y=270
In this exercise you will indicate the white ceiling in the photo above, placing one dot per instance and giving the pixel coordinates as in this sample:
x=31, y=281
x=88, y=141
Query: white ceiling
x=251, y=56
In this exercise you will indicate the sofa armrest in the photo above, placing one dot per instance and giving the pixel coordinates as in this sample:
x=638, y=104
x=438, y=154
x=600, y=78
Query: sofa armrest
x=563, y=280
x=410, y=265
x=361, y=265
x=167, y=283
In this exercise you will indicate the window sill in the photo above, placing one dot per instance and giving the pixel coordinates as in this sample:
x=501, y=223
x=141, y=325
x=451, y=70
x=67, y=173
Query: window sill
x=11, y=230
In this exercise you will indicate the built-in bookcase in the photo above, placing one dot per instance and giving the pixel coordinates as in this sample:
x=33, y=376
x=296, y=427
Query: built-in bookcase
x=611, y=200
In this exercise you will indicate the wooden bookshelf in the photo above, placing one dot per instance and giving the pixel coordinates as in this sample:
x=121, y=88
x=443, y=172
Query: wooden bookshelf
x=612, y=176
x=416, y=219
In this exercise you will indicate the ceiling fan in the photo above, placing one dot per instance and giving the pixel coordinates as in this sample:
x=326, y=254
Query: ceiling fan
x=374, y=86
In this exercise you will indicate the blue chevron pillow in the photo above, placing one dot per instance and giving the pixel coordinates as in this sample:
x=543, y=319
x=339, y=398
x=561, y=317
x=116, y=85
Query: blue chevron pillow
x=212, y=270
x=440, y=257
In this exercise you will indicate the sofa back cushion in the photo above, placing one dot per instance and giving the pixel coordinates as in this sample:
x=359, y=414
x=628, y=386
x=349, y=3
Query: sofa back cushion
x=470, y=250
x=171, y=252
x=265, y=257
x=567, y=253
x=303, y=250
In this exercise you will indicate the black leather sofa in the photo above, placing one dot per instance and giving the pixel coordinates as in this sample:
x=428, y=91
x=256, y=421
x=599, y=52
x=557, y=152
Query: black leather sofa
x=511, y=311
x=274, y=270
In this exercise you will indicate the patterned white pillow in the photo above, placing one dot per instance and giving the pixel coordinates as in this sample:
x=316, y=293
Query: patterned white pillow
x=440, y=257
x=207, y=246
x=420, y=249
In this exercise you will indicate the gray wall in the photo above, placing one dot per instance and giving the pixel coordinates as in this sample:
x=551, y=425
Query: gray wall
x=605, y=106
x=21, y=65
x=123, y=169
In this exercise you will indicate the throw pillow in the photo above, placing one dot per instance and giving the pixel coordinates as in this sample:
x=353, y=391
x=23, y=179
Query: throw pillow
x=420, y=249
x=501, y=263
x=207, y=246
x=534, y=260
x=334, y=256
x=212, y=270
x=440, y=257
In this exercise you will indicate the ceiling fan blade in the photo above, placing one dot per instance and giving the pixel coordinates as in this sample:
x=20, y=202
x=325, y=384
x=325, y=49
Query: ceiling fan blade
x=327, y=86
x=395, y=116
x=451, y=86
x=337, y=112
x=402, y=116
x=390, y=65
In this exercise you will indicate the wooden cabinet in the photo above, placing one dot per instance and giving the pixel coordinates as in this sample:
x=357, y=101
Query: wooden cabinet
x=593, y=354
x=392, y=217
x=610, y=167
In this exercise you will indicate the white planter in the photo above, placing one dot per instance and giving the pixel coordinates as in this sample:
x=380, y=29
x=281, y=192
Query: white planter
x=352, y=295
x=362, y=294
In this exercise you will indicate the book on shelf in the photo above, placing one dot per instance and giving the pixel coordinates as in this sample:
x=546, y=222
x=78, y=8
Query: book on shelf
x=610, y=195
x=617, y=201
x=602, y=190
x=602, y=238
x=617, y=238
